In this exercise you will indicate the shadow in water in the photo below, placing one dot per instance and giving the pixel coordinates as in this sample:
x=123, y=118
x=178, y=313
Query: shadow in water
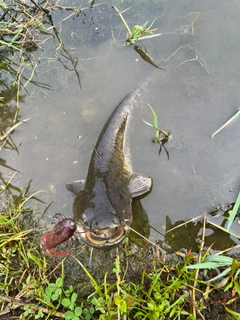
x=140, y=222
x=189, y=234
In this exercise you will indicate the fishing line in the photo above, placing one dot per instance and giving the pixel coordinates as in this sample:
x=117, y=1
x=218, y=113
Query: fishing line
x=154, y=244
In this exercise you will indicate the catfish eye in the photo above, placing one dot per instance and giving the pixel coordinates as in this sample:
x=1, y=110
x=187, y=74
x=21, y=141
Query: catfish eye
x=124, y=211
x=83, y=216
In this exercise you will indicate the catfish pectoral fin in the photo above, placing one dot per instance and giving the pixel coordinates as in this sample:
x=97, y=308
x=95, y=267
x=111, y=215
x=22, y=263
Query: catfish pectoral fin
x=139, y=184
x=76, y=186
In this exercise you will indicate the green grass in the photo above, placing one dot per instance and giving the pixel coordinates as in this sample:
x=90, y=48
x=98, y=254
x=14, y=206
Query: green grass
x=137, y=32
x=231, y=272
x=158, y=131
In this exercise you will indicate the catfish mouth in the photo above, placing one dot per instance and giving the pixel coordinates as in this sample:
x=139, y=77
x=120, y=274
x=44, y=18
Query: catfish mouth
x=107, y=237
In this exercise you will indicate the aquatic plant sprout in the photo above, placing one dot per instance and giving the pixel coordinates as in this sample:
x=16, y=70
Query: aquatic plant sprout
x=155, y=126
x=137, y=31
x=158, y=132
x=155, y=123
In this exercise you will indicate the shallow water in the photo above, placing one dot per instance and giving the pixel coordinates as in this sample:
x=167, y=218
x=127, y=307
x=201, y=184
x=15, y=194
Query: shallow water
x=197, y=91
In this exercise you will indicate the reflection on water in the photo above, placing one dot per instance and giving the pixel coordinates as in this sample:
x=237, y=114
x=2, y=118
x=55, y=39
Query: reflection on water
x=190, y=235
x=194, y=94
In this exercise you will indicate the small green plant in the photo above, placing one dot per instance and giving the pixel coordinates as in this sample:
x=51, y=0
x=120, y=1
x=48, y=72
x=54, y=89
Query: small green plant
x=158, y=132
x=53, y=291
x=138, y=32
x=69, y=302
x=56, y=297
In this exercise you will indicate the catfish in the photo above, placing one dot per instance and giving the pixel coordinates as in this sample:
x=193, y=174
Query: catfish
x=102, y=208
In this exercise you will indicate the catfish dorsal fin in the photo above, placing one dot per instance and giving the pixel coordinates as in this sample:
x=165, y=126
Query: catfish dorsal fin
x=76, y=186
x=139, y=184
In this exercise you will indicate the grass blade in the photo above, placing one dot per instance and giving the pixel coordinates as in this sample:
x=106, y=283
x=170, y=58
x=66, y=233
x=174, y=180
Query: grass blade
x=226, y=123
x=149, y=124
x=121, y=16
x=221, y=275
x=224, y=229
x=234, y=212
x=155, y=120
x=92, y=280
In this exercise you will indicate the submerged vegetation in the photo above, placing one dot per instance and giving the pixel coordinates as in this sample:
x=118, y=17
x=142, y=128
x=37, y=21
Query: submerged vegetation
x=24, y=29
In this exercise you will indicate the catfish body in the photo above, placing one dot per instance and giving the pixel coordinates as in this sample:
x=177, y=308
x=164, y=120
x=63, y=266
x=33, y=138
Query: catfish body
x=102, y=206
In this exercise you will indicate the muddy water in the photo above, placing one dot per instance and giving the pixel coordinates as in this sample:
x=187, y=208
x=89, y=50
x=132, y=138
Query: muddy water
x=197, y=91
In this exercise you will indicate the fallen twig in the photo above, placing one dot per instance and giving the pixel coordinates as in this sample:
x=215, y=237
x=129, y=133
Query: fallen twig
x=13, y=128
x=14, y=303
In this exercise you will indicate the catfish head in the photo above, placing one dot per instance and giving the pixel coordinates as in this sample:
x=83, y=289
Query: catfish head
x=103, y=215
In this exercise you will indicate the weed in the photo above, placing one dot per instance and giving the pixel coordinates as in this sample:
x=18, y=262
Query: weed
x=22, y=268
x=158, y=132
x=158, y=296
x=227, y=267
x=56, y=296
x=23, y=29
x=137, y=31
